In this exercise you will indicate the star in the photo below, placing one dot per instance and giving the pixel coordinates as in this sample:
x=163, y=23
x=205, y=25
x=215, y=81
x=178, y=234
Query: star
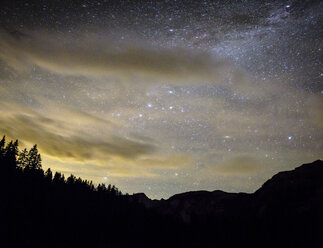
x=145, y=91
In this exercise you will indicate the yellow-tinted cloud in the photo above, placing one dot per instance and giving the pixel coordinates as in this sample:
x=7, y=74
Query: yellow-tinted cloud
x=176, y=161
x=243, y=165
x=33, y=128
x=315, y=110
x=84, y=56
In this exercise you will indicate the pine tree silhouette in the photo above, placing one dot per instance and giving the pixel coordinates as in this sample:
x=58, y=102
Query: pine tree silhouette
x=49, y=175
x=23, y=159
x=34, y=159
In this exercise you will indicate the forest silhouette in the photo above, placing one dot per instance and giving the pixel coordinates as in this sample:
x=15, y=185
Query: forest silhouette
x=39, y=209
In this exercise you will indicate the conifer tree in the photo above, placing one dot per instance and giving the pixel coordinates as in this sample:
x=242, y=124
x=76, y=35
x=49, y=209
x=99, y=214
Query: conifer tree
x=71, y=179
x=49, y=175
x=22, y=160
x=10, y=153
x=2, y=147
x=34, y=159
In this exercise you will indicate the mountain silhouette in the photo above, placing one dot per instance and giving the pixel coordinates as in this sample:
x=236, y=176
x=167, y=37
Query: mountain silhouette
x=286, y=210
x=39, y=209
x=301, y=185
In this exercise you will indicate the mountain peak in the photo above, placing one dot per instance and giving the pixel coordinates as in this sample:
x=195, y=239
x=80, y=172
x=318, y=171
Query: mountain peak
x=304, y=177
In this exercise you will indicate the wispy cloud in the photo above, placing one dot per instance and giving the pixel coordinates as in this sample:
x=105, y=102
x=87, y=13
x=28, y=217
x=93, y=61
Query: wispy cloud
x=53, y=140
x=90, y=57
x=242, y=165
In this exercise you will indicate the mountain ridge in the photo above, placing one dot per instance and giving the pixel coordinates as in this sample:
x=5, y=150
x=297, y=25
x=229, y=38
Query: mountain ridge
x=292, y=188
x=286, y=211
x=41, y=210
x=143, y=195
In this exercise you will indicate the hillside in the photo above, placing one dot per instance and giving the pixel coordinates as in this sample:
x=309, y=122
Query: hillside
x=41, y=210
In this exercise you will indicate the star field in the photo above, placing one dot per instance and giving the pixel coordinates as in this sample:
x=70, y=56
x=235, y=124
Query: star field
x=163, y=97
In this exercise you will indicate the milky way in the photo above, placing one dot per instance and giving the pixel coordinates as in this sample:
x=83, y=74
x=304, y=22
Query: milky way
x=163, y=97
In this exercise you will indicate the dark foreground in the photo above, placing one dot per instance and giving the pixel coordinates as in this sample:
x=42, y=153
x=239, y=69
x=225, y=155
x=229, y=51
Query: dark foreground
x=41, y=210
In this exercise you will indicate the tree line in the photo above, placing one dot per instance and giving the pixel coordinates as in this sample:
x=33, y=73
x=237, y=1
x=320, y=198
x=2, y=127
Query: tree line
x=39, y=209
x=44, y=209
x=30, y=162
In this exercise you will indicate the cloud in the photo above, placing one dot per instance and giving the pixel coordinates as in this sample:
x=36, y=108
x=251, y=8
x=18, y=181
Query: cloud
x=314, y=106
x=76, y=146
x=174, y=162
x=92, y=57
x=243, y=165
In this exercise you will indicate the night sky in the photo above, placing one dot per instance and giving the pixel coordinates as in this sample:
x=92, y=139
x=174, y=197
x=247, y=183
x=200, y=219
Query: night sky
x=164, y=97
